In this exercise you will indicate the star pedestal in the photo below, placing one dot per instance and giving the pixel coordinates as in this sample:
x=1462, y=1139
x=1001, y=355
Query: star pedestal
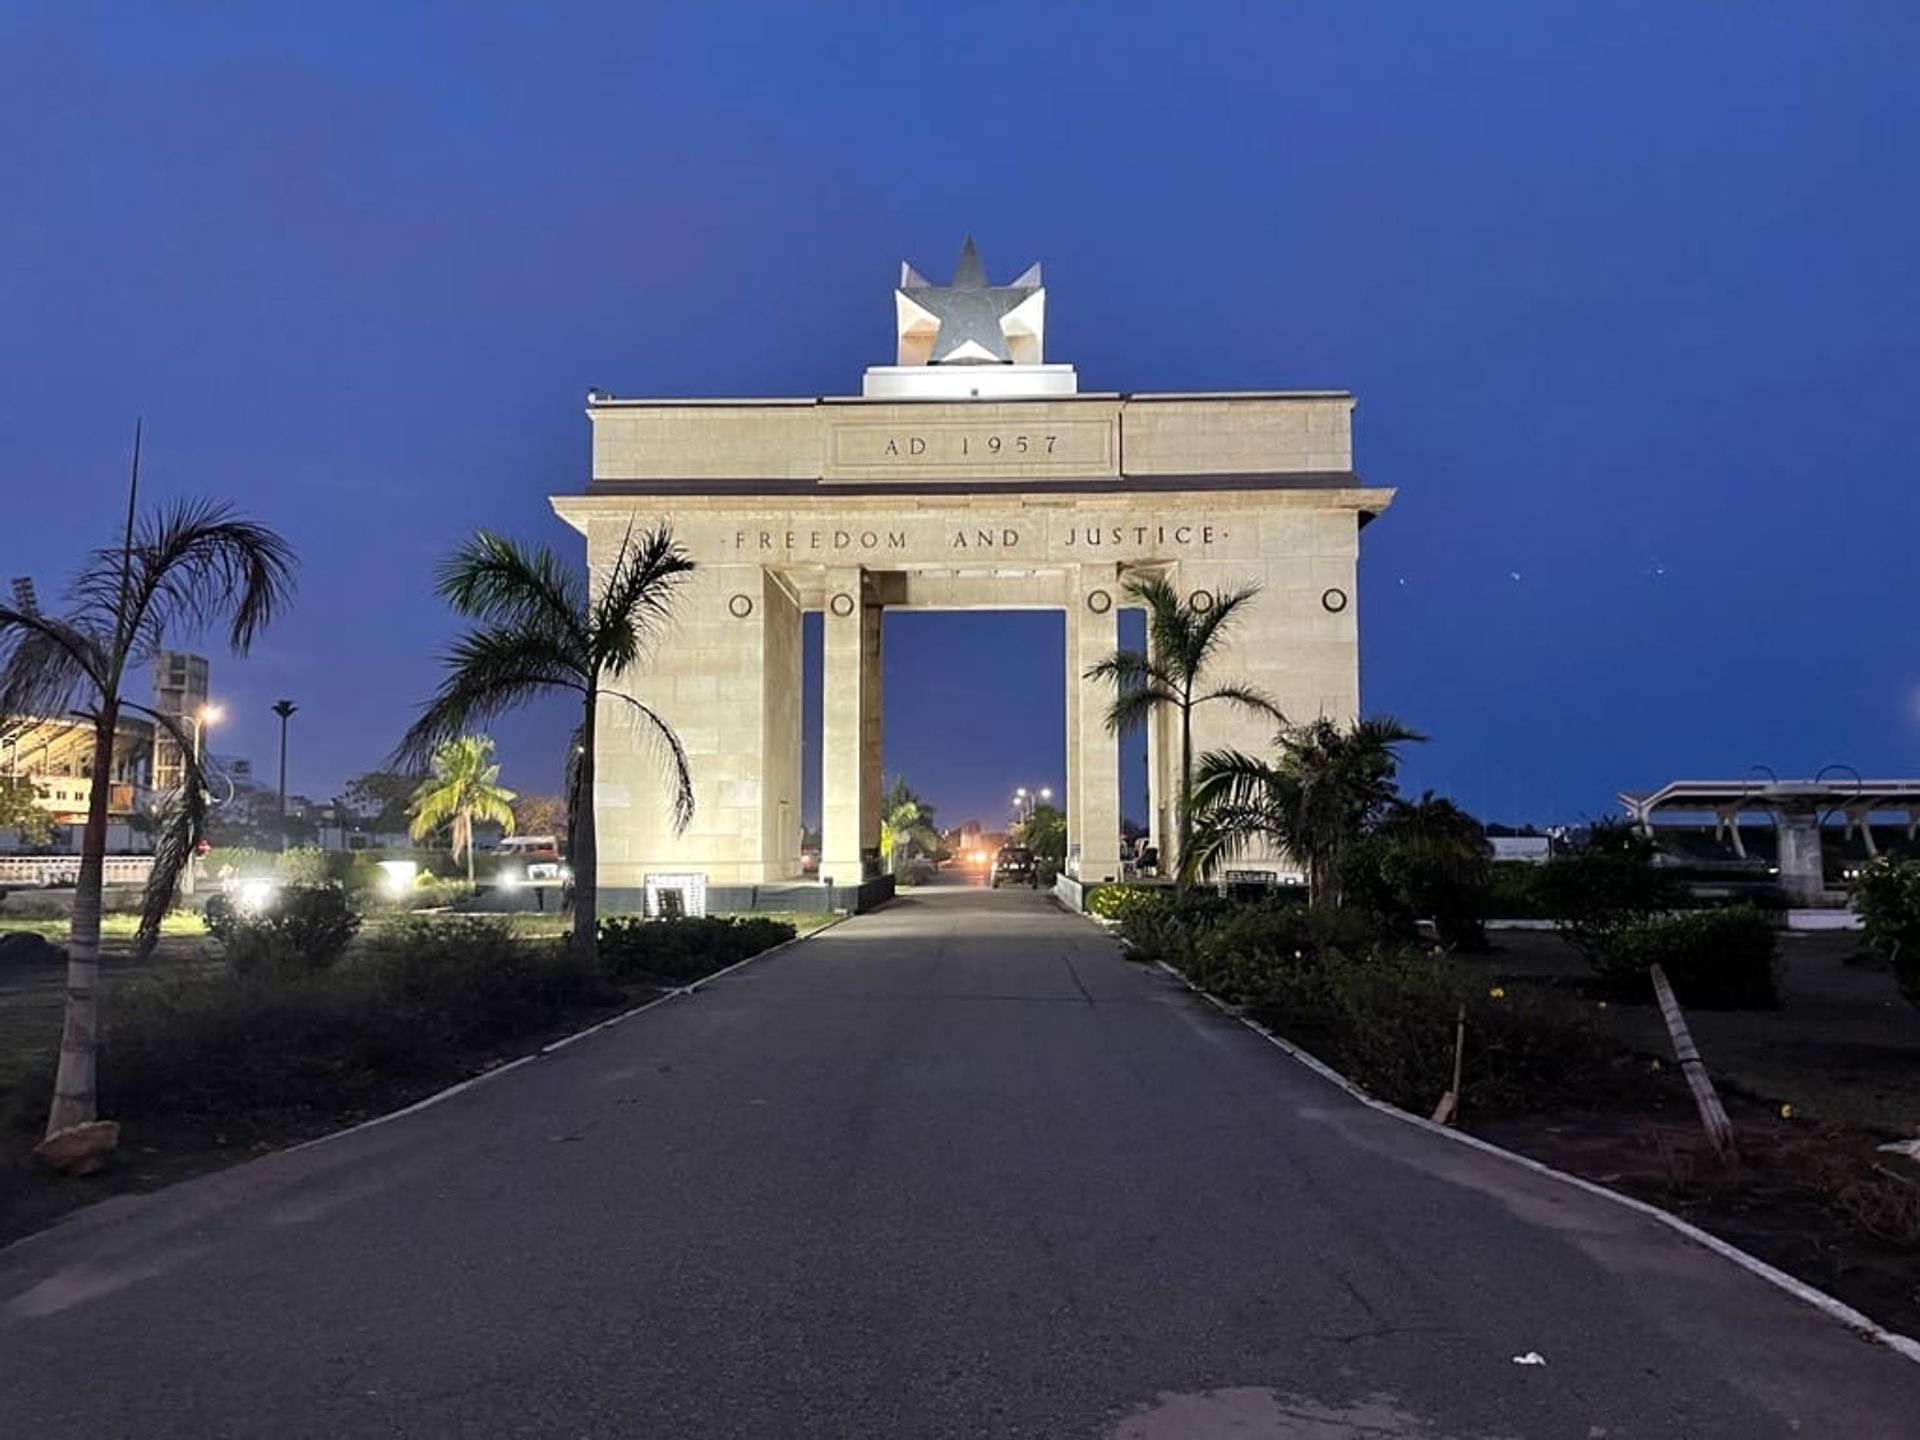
x=968, y=382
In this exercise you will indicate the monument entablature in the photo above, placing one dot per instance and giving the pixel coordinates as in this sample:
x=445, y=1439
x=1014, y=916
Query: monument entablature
x=971, y=474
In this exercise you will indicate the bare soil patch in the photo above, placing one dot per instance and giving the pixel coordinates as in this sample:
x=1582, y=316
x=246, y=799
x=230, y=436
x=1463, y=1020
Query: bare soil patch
x=1813, y=1089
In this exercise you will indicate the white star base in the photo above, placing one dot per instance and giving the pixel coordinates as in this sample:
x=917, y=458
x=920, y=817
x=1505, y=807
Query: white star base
x=968, y=382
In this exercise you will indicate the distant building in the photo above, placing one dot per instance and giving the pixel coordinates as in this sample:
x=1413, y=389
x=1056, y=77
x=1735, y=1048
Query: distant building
x=56, y=755
x=179, y=692
x=1525, y=849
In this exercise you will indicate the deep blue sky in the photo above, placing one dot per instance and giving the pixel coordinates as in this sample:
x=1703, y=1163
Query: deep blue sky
x=1627, y=293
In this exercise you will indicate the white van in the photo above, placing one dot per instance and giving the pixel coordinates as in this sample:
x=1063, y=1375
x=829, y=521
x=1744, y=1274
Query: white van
x=530, y=859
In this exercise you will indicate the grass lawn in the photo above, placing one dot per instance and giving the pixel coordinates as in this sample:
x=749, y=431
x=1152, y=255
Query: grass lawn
x=112, y=927
x=32, y=996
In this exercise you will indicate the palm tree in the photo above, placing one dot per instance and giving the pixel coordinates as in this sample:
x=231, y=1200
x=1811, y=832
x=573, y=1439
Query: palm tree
x=544, y=631
x=1327, y=786
x=1181, y=640
x=462, y=788
x=190, y=566
x=905, y=820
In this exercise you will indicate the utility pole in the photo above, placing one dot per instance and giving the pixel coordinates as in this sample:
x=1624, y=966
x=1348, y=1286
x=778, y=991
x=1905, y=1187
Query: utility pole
x=284, y=709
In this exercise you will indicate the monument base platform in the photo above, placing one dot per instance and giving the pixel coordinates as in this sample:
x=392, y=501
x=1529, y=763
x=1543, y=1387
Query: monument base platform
x=796, y=895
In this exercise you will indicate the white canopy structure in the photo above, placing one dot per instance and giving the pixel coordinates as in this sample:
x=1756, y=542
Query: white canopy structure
x=1798, y=807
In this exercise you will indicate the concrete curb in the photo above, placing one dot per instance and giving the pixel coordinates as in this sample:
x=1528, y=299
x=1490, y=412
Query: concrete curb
x=1839, y=1310
x=562, y=1043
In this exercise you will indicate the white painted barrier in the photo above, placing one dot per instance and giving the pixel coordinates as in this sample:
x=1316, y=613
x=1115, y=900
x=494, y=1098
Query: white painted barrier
x=26, y=872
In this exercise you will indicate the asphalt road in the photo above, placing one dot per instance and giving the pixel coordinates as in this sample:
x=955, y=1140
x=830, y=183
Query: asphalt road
x=951, y=1169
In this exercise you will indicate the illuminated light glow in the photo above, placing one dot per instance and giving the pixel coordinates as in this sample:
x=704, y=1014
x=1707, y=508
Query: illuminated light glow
x=397, y=876
x=254, y=894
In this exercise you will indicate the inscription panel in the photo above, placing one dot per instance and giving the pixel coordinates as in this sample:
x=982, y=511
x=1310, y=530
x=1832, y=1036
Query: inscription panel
x=959, y=451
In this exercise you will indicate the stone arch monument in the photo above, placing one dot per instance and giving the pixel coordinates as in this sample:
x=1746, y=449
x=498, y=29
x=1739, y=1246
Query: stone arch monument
x=970, y=474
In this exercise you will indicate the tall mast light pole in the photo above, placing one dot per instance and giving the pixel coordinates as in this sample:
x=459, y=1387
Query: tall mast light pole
x=284, y=709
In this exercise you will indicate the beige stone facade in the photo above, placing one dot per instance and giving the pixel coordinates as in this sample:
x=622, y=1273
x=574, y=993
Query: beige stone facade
x=852, y=507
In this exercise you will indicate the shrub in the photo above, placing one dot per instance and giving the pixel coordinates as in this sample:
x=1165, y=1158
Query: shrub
x=1237, y=951
x=1887, y=895
x=303, y=865
x=1513, y=892
x=301, y=928
x=466, y=981
x=433, y=892
x=1161, y=929
x=1387, y=1020
x=1400, y=875
x=1608, y=887
x=424, y=999
x=223, y=862
x=1715, y=959
x=238, y=1042
x=685, y=949
x=1116, y=902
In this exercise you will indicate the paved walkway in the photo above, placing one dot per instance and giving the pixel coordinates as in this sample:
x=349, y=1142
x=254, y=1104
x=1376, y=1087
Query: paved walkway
x=951, y=1169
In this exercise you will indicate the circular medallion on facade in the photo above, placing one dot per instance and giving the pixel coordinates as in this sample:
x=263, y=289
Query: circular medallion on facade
x=741, y=606
x=1201, y=600
x=841, y=604
x=1099, y=601
x=1334, y=599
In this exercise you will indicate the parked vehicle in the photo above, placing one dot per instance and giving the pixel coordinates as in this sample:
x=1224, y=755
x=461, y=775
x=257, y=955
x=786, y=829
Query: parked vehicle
x=529, y=860
x=1013, y=865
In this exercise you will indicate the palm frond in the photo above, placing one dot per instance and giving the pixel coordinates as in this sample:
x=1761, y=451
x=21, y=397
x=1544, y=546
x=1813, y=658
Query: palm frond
x=489, y=672
x=195, y=564
x=637, y=597
x=495, y=808
x=1131, y=709
x=1211, y=625
x=463, y=786
x=1142, y=686
x=1234, y=779
x=45, y=664
x=1247, y=697
x=491, y=577
x=434, y=804
x=1127, y=667
x=1224, y=833
x=182, y=821
x=647, y=724
x=1169, y=622
x=1382, y=731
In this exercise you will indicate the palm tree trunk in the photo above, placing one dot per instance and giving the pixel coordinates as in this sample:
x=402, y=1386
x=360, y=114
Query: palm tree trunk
x=75, y=1098
x=1181, y=873
x=467, y=817
x=583, y=851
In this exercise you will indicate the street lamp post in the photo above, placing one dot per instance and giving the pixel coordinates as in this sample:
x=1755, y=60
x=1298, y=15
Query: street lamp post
x=284, y=709
x=1024, y=800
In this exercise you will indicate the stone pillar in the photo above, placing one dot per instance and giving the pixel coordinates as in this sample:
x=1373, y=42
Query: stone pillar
x=872, y=780
x=1163, y=785
x=780, y=727
x=1093, y=752
x=1802, y=864
x=845, y=775
x=1081, y=693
